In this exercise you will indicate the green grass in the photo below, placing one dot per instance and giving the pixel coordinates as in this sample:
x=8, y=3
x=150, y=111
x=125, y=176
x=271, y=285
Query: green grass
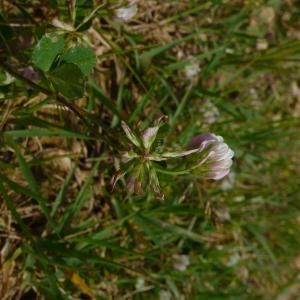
x=64, y=234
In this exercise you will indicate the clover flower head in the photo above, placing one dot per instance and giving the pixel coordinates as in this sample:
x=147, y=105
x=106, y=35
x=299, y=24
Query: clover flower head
x=181, y=262
x=207, y=155
x=126, y=13
x=218, y=156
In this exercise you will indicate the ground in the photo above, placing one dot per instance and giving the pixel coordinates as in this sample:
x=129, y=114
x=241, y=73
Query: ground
x=224, y=67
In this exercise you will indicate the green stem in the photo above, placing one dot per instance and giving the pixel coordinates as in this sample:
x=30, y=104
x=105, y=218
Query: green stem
x=170, y=172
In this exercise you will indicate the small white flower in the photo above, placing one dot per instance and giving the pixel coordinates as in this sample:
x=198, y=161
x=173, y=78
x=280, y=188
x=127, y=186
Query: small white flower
x=126, y=13
x=239, y=199
x=210, y=112
x=233, y=260
x=192, y=69
x=262, y=45
x=165, y=295
x=181, y=262
x=140, y=284
x=223, y=214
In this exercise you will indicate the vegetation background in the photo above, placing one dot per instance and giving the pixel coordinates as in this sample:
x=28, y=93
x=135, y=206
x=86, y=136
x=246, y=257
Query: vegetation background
x=227, y=67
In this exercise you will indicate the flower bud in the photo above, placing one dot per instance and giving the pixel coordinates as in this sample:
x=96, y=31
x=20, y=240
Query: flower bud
x=218, y=156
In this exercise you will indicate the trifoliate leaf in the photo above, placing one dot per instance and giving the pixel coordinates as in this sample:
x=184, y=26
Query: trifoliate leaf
x=84, y=58
x=68, y=80
x=47, y=49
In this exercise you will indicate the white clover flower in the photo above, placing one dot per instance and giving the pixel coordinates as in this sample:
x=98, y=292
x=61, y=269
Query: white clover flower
x=192, y=69
x=218, y=157
x=207, y=156
x=181, y=262
x=210, y=112
x=126, y=13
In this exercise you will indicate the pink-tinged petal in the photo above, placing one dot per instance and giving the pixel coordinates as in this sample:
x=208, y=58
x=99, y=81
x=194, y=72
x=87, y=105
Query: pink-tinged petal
x=130, y=183
x=229, y=154
x=222, y=154
x=181, y=262
x=228, y=182
x=217, y=175
x=219, y=156
x=134, y=185
x=218, y=138
x=222, y=164
x=150, y=133
x=221, y=151
x=200, y=140
x=202, y=161
x=149, y=136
